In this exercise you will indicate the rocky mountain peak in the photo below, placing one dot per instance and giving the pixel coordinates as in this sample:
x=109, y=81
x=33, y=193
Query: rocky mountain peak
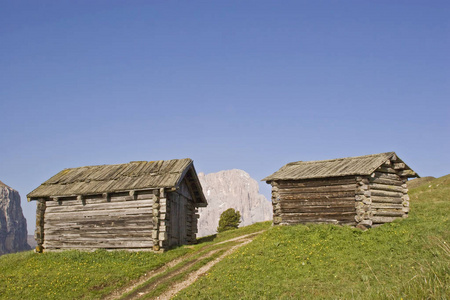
x=231, y=189
x=3, y=185
x=13, y=225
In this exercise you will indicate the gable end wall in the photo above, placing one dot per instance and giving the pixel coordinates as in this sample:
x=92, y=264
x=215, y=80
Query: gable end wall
x=182, y=227
x=389, y=198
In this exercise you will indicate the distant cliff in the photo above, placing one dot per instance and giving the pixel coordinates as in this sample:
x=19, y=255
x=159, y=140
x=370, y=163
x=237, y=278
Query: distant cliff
x=231, y=189
x=13, y=225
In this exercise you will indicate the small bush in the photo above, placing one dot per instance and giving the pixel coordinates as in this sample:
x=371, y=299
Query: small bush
x=229, y=220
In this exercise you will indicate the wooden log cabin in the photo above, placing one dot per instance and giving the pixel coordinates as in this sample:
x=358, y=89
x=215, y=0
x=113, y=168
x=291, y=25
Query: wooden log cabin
x=135, y=206
x=363, y=191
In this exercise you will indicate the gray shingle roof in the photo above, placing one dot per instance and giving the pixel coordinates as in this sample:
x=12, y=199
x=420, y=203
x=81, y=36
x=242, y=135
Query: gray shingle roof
x=93, y=180
x=359, y=165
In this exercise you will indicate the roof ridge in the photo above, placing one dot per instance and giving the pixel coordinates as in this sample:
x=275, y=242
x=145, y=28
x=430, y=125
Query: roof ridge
x=121, y=164
x=105, y=178
x=356, y=165
x=337, y=159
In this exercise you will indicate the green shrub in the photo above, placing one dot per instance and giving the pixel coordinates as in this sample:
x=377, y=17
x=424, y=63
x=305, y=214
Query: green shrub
x=229, y=220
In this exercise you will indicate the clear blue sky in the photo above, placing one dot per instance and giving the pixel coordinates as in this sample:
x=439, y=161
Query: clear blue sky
x=231, y=84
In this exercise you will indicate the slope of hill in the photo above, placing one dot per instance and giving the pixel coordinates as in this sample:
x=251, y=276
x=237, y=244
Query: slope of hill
x=109, y=275
x=416, y=182
x=407, y=259
x=231, y=189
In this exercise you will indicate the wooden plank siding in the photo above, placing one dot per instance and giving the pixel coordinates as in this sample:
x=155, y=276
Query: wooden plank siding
x=118, y=222
x=318, y=201
x=183, y=225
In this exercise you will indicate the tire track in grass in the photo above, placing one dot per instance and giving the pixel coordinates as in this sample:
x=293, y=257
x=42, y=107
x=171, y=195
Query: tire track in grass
x=148, y=276
x=196, y=274
x=152, y=285
x=139, y=288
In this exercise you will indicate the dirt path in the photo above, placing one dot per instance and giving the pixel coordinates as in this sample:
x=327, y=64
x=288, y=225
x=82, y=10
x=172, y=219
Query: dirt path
x=196, y=274
x=118, y=293
x=172, y=269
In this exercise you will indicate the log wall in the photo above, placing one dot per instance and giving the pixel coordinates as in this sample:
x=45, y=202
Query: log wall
x=116, y=221
x=39, y=232
x=314, y=201
x=135, y=220
x=183, y=224
x=356, y=200
x=389, y=194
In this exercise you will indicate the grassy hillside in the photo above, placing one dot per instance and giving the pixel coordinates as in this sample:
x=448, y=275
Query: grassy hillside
x=90, y=275
x=74, y=274
x=407, y=259
x=416, y=182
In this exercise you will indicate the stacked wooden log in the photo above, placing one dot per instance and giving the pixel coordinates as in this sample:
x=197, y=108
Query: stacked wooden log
x=390, y=198
x=364, y=191
x=118, y=221
x=363, y=202
x=155, y=219
x=164, y=225
x=319, y=201
x=354, y=200
x=39, y=232
x=134, y=206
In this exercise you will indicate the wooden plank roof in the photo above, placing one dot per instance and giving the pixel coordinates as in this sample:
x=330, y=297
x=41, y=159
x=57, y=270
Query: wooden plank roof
x=359, y=165
x=137, y=175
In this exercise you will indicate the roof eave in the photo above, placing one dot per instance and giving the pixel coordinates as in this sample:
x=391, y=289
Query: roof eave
x=200, y=199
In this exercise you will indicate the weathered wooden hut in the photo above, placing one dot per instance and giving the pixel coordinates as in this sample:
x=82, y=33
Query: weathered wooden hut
x=359, y=191
x=140, y=205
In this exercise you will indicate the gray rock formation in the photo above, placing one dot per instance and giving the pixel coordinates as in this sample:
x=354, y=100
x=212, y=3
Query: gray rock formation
x=231, y=189
x=31, y=241
x=13, y=225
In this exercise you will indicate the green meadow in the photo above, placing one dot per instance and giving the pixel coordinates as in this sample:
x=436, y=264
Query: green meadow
x=406, y=259
x=90, y=275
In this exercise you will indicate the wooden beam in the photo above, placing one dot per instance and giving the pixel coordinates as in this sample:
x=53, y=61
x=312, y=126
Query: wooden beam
x=82, y=199
x=133, y=195
x=398, y=166
x=388, y=170
x=407, y=173
x=107, y=197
